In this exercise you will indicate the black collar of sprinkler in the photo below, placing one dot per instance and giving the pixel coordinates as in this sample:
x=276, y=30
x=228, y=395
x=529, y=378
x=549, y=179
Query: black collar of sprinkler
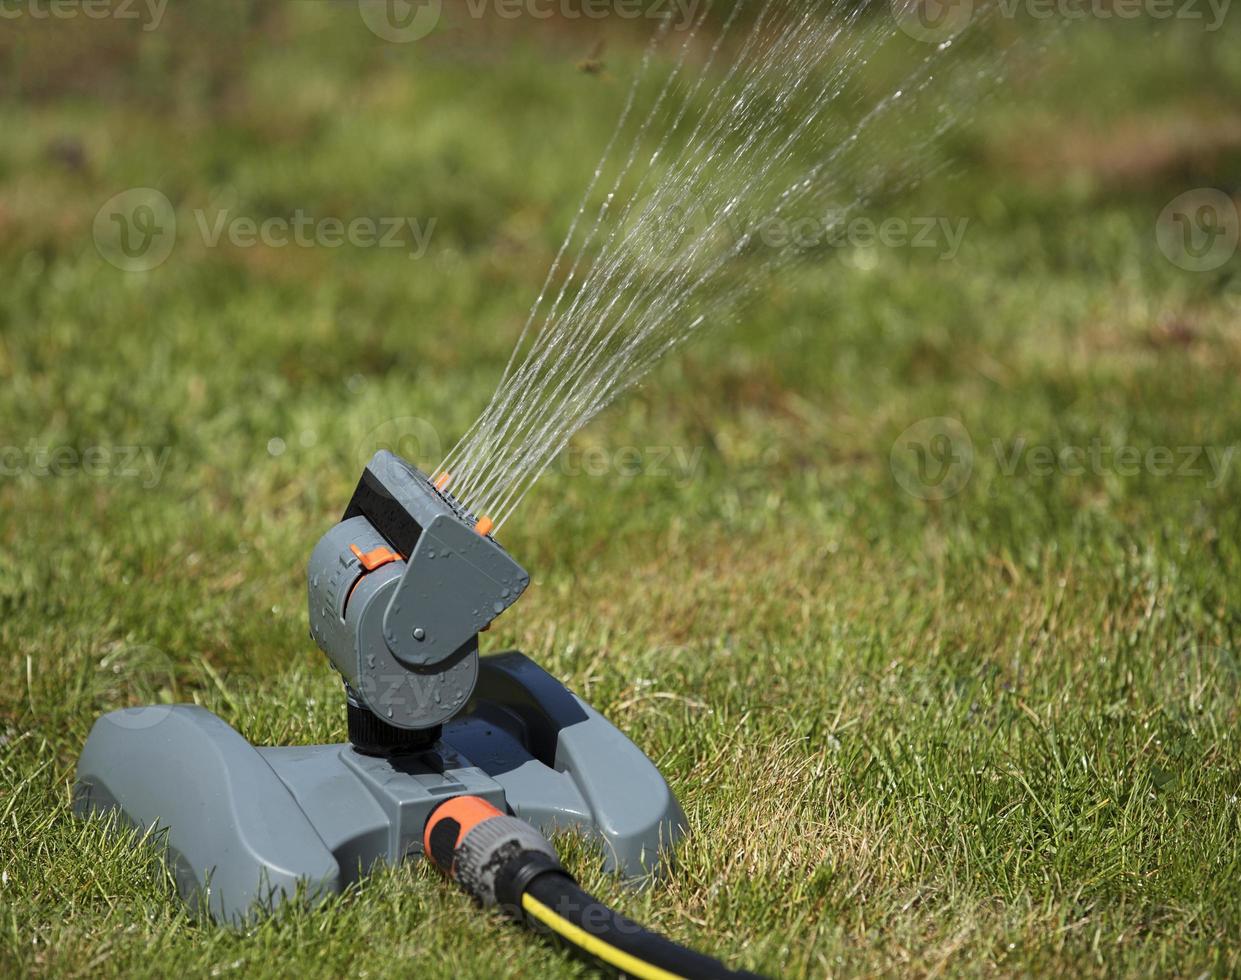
x=371, y=735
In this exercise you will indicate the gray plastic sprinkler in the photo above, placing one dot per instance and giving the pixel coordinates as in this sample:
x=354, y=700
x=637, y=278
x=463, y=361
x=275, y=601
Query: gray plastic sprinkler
x=467, y=760
x=399, y=591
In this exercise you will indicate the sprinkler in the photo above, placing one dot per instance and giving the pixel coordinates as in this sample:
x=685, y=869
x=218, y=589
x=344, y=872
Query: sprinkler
x=469, y=759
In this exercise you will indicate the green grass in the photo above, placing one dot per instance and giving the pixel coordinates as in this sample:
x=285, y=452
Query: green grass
x=994, y=733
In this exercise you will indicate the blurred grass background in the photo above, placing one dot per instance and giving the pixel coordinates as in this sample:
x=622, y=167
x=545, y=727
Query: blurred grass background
x=989, y=733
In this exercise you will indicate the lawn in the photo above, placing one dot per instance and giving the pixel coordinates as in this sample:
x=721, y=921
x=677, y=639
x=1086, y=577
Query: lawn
x=920, y=582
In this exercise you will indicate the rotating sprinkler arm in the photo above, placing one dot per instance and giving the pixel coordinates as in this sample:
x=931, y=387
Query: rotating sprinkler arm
x=399, y=591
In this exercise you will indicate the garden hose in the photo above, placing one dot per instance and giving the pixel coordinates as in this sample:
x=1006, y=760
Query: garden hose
x=504, y=862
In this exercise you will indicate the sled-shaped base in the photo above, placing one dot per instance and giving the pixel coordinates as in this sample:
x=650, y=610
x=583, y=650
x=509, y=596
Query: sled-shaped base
x=247, y=826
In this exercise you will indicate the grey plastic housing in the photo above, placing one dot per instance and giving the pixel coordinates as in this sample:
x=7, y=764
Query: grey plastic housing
x=247, y=827
x=404, y=635
x=456, y=581
x=352, y=634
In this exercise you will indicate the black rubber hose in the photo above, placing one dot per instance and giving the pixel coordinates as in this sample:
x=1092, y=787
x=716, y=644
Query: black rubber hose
x=602, y=934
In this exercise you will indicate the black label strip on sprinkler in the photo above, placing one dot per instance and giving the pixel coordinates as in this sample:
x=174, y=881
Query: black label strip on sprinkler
x=390, y=518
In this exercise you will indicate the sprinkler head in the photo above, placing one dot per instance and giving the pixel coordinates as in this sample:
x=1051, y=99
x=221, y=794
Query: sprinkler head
x=399, y=591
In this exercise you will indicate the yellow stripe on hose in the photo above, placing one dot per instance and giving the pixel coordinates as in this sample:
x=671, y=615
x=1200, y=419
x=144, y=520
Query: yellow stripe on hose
x=593, y=945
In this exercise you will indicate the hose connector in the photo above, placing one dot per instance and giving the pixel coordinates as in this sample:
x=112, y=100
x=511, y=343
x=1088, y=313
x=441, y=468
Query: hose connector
x=490, y=854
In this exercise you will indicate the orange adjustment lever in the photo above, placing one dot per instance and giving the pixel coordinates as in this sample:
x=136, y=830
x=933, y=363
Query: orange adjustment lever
x=376, y=558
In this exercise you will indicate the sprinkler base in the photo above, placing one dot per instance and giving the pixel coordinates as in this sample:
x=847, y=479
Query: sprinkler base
x=247, y=827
